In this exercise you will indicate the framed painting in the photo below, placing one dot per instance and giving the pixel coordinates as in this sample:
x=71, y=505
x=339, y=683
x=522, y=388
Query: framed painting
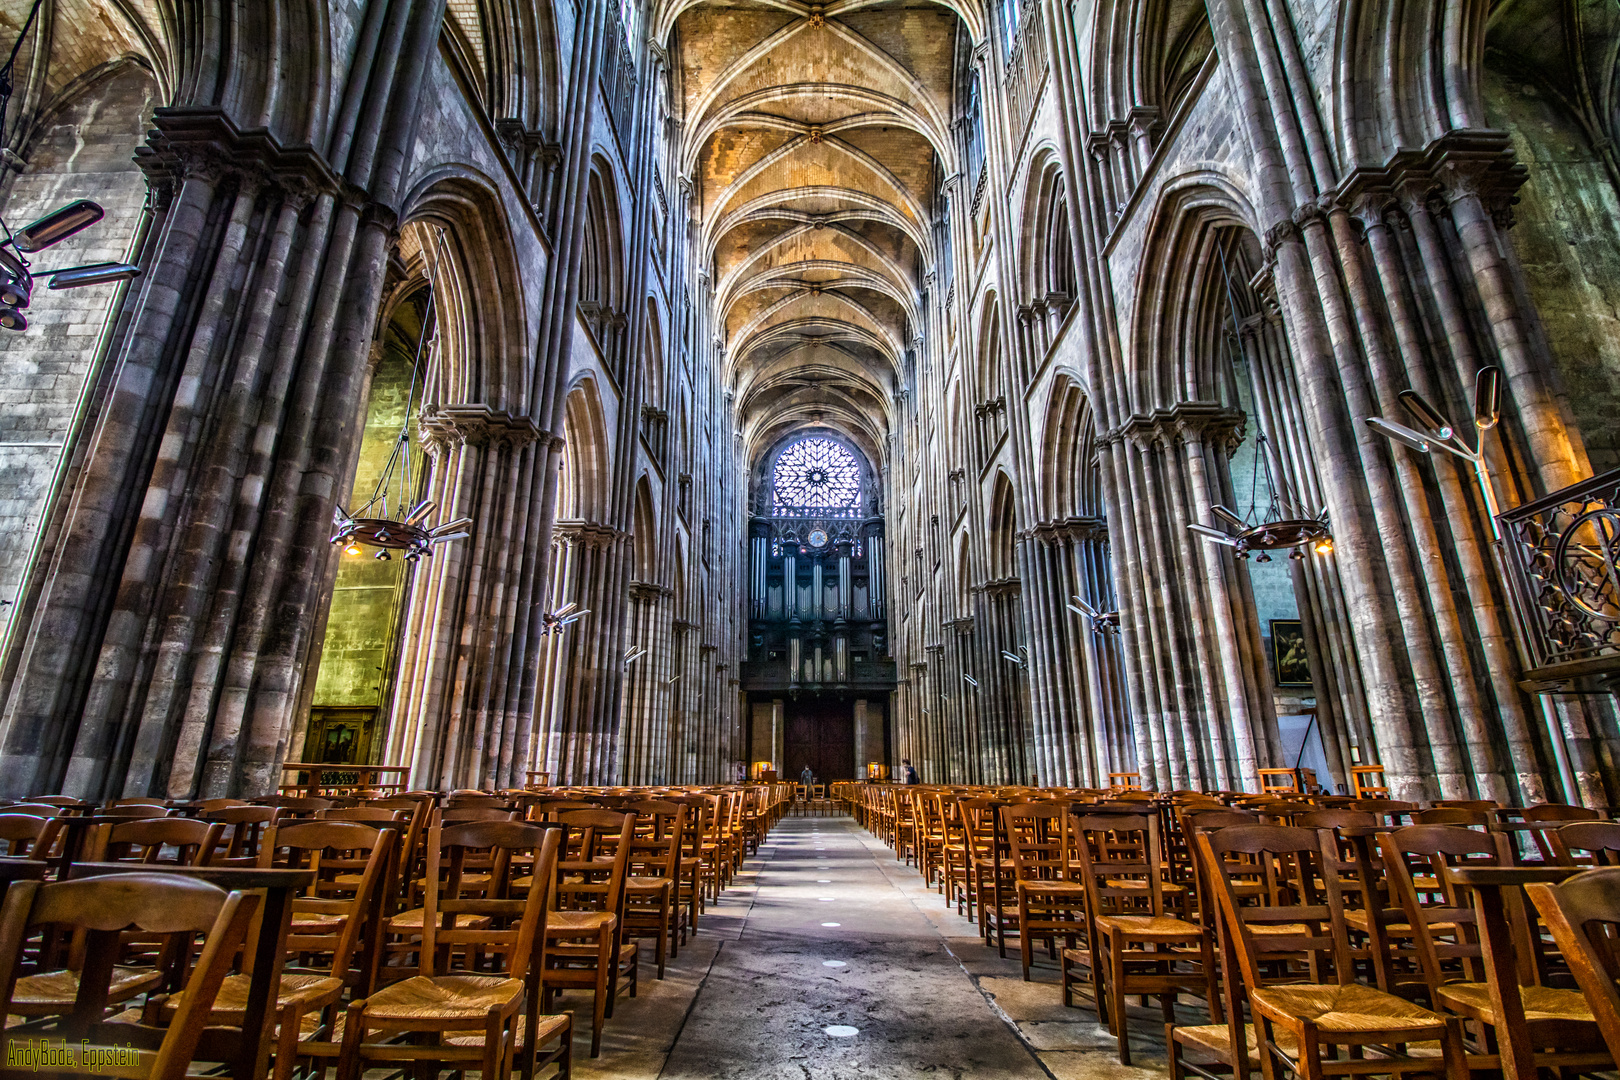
x=1288, y=659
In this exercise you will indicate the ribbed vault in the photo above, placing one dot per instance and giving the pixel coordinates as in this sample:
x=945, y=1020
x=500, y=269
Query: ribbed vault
x=815, y=139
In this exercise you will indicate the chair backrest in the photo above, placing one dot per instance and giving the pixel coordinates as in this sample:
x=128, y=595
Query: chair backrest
x=1336, y=819
x=1560, y=812
x=33, y=809
x=1119, y=862
x=143, y=809
x=28, y=836
x=1038, y=841
x=352, y=863
x=1414, y=858
x=157, y=804
x=503, y=934
x=594, y=859
x=1283, y=811
x=247, y=825
x=104, y=907
x=1486, y=805
x=1285, y=923
x=293, y=806
x=210, y=806
x=467, y=800
x=655, y=849
x=459, y=814
x=66, y=802
x=372, y=814
x=1452, y=815
x=193, y=842
x=1601, y=839
x=1583, y=914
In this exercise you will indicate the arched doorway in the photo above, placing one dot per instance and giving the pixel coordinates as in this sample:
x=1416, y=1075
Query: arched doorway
x=358, y=661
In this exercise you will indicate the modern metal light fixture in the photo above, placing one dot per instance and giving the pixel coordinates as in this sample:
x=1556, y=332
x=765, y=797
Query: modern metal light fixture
x=17, y=275
x=1438, y=433
x=1102, y=622
x=372, y=524
x=552, y=622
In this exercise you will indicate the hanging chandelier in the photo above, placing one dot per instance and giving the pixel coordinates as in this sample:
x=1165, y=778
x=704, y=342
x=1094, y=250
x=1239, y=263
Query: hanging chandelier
x=1285, y=523
x=374, y=523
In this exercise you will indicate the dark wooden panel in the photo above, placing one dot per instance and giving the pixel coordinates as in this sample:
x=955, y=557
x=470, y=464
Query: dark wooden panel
x=822, y=735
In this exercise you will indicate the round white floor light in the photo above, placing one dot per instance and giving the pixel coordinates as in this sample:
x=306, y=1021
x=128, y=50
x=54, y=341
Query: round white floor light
x=833, y=963
x=841, y=1031
x=832, y=924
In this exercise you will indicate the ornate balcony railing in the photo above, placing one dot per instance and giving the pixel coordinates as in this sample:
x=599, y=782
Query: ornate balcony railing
x=1562, y=557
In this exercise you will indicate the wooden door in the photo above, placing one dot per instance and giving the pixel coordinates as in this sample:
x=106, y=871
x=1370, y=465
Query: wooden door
x=821, y=734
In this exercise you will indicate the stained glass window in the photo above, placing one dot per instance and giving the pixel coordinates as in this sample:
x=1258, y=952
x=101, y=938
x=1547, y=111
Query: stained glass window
x=818, y=476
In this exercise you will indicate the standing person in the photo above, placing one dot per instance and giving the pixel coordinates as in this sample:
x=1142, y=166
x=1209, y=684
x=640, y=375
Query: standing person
x=907, y=773
x=807, y=778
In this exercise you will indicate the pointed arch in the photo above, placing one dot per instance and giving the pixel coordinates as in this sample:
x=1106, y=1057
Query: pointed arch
x=646, y=533
x=584, y=486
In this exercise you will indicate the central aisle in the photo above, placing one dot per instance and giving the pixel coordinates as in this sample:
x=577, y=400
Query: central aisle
x=836, y=973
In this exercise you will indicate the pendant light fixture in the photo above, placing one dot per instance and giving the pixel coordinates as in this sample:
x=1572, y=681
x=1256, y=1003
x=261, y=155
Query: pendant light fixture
x=388, y=521
x=1285, y=522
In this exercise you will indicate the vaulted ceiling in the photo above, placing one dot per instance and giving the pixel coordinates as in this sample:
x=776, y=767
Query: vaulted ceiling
x=815, y=137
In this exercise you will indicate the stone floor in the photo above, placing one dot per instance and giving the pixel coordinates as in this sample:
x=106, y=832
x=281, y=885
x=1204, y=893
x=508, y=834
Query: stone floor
x=827, y=958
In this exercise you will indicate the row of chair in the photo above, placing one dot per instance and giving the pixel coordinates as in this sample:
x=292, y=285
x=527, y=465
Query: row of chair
x=426, y=928
x=1351, y=935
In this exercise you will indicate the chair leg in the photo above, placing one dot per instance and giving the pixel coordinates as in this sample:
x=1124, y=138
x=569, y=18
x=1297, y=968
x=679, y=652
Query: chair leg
x=497, y=1065
x=348, y=1067
x=1121, y=1028
x=605, y=967
x=287, y=1043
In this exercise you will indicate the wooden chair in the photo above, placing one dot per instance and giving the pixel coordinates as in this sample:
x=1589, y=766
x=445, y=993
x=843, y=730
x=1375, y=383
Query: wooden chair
x=585, y=947
x=331, y=923
x=989, y=885
x=1551, y=815
x=1137, y=948
x=1050, y=897
x=27, y=836
x=191, y=841
x=1447, y=934
x=134, y=972
x=689, y=879
x=650, y=909
x=1368, y=782
x=104, y=908
x=1600, y=839
x=1289, y=941
x=466, y=1006
x=1583, y=915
